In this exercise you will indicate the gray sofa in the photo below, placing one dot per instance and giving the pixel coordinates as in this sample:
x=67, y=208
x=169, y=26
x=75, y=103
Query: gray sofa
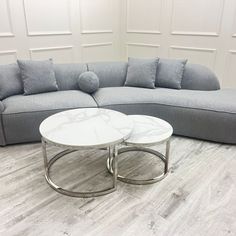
x=200, y=109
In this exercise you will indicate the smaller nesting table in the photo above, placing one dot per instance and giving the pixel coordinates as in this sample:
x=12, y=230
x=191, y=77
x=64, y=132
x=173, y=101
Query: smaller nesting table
x=148, y=131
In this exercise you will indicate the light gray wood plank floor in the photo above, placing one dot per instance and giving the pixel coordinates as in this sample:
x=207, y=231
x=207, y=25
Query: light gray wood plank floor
x=198, y=197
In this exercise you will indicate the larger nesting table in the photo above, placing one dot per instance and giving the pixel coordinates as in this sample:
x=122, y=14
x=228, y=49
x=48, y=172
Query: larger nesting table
x=84, y=129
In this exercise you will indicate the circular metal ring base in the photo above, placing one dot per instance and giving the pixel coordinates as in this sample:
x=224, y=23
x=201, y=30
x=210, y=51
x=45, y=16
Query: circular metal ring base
x=68, y=192
x=134, y=181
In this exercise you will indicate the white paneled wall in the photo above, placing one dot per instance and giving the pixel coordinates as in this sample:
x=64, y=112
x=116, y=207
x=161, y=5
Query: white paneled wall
x=203, y=31
x=65, y=30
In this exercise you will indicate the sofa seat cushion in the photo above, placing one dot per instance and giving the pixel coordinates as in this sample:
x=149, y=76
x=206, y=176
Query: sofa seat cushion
x=218, y=100
x=23, y=113
x=209, y=115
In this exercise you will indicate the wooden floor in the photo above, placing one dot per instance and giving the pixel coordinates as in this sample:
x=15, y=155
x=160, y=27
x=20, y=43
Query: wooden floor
x=198, y=197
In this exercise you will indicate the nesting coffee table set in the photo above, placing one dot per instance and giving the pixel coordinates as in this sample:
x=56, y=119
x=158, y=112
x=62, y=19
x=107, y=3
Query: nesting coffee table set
x=97, y=128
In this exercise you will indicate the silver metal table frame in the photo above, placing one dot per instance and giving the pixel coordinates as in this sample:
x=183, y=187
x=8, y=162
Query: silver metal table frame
x=48, y=164
x=142, y=148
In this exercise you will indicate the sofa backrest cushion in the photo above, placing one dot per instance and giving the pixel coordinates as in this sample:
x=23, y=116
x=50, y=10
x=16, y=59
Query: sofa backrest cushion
x=170, y=73
x=37, y=76
x=10, y=81
x=141, y=72
x=199, y=77
x=67, y=75
x=110, y=74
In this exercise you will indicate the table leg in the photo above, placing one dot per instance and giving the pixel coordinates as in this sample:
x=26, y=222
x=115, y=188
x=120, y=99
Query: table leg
x=167, y=156
x=48, y=165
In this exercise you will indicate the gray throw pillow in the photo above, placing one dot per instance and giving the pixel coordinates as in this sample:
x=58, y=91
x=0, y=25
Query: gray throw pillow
x=88, y=82
x=170, y=73
x=37, y=76
x=141, y=72
x=10, y=81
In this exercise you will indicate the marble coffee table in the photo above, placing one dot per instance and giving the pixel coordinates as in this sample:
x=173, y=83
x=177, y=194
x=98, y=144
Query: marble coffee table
x=147, y=131
x=85, y=128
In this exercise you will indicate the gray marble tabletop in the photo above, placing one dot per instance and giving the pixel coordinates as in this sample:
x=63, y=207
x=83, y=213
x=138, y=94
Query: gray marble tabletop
x=86, y=127
x=148, y=130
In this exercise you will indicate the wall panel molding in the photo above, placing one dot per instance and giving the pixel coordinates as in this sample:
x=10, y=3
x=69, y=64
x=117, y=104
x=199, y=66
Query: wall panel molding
x=92, y=51
x=96, y=44
x=141, y=45
x=9, y=52
x=189, y=33
x=96, y=31
x=198, y=33
x=199, y=56
x=234, y=26
x=8, y=56
x=47, y=33
x=193, y=48
x=229, y=69
x=10, y=33
x=43, y=49
x=140, y=31
x=232, y=51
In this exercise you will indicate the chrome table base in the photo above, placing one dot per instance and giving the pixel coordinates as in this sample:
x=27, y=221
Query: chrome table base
x=165, y=159
x=112, y=167
x=49, y=164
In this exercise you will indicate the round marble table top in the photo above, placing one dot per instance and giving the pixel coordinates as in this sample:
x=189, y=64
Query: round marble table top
x=86, y=127
x=148, y=130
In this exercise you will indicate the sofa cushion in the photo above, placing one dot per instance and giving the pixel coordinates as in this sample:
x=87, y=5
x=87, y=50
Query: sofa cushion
x=141, y=72
x=199, y=77
x=170, y=73
x=207, y=115
x=10, y=81
x=67, y=75
x=110, y=74
x=23, y=114
x=38, y=76
x=88, y=82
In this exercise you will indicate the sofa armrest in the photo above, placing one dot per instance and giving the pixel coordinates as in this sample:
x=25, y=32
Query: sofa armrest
x=199, y=77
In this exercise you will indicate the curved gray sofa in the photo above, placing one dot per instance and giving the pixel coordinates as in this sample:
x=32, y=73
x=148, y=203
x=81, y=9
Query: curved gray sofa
x=199, y=110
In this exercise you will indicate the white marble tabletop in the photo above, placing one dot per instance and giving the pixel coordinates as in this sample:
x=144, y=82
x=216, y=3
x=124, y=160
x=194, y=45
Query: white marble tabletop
x=86, y=127
x=148, y=130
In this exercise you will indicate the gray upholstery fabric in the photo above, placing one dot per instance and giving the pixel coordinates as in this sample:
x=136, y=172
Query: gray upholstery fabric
x=23, y=114
x=10, y=81
x=38, y=76
x=170, y=73
x=199, y=77
x=206, y=115
x=2, y=135
x=110, y=74
x=88, y=82
x=141, y=72
x=1, y=107
x=67, y=75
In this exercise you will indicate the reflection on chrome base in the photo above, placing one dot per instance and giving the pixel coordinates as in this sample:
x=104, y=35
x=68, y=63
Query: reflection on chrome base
x=49, y=164
x=165, y=159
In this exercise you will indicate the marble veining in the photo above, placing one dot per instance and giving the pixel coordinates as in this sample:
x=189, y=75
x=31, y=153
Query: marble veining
x=148, y=130
x=93, y=127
